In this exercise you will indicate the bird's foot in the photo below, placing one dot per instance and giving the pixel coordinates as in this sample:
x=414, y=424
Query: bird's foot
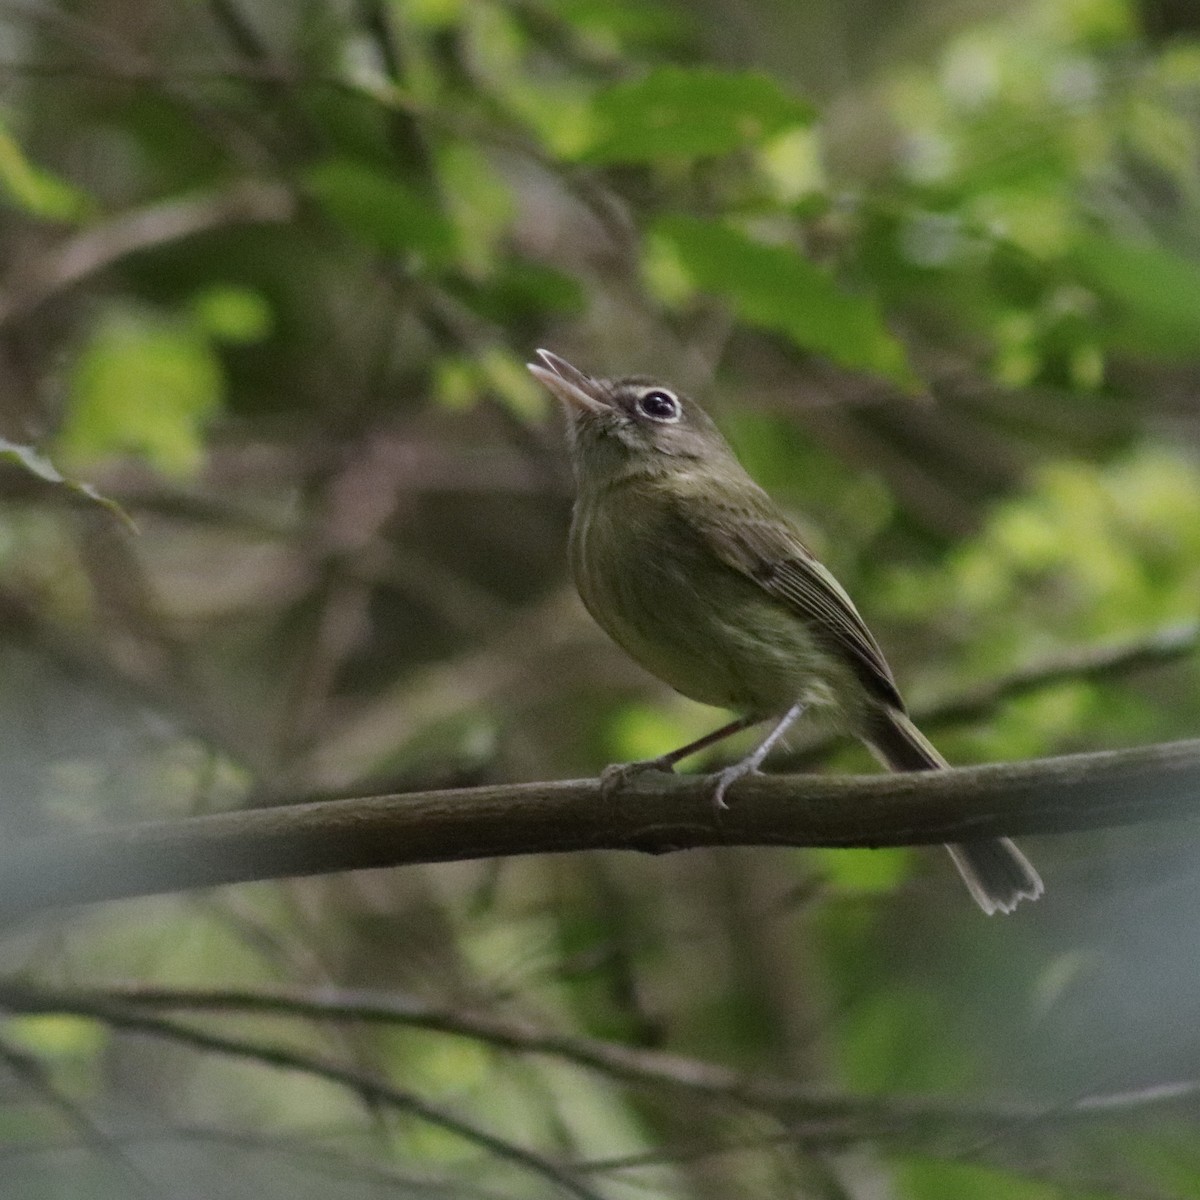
x=750, y=764
x=739, y=770
x=618, y=776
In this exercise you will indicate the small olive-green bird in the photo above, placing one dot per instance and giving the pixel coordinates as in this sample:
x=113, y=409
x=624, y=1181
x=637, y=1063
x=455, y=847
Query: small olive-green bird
x=692, y=568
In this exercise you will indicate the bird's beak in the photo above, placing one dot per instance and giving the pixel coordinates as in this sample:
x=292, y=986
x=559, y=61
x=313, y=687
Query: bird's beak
x=575, y=389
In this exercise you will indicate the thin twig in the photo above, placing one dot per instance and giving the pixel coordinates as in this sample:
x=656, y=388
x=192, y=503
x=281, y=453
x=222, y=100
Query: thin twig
x=631, y=1064
x=816, y=1117
x=627, y=1063
x=78, y=659
x=1085, y=664
x=1088, y=664
x=378, y=1091
x=147, y=72
x=299, y=1146
x=602, y=203
x=29, y=1068
x=101, y=246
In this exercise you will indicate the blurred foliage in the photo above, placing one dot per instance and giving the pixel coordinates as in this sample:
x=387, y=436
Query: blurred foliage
x=143, y=384
x=775, y=288
x=682, y=113
x=270, y=274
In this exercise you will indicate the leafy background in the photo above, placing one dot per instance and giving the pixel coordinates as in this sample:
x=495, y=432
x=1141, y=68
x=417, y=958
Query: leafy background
x=270, y=274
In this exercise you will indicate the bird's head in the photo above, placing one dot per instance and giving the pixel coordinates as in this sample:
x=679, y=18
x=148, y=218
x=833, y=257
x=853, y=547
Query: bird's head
x=628, y=426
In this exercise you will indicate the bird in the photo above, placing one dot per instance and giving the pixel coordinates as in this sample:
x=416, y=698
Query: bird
x=694, y=570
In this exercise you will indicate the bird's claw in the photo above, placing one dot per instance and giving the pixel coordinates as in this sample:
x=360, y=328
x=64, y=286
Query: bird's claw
x=725, y=778
x=618, y=776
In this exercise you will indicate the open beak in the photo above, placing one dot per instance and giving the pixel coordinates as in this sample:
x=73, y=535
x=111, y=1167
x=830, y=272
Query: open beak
x=571, y=386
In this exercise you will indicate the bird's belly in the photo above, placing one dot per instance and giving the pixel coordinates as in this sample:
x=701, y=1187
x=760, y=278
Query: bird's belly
x=711, y=633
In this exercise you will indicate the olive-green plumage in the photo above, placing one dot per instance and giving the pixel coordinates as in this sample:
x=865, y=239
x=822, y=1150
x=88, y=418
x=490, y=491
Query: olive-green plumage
x=692, y=568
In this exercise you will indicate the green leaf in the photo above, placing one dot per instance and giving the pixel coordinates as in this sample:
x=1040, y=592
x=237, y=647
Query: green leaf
x=237, y=315
x=638, y=731
x=380, y=211
x=143, y=384
x=520, y=291
x=893, y=1038
x=865, y=871
x=34, y=189
x=507, y=376
x=1156, y=294
x=461, y=382
x=27, y=458
x=776, y=288
x=434, y=14
x=689, y=113
x=56, y=1037
x=620, y=24
x=479, y=201
x=931, y=1179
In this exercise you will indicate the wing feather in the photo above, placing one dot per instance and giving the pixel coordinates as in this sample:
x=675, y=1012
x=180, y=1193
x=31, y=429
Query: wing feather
x=761, y=545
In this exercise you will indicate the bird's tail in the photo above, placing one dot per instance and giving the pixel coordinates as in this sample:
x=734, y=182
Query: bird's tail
x=995, y=871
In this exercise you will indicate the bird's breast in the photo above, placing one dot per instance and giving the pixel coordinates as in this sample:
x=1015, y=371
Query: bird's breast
x=659, y=590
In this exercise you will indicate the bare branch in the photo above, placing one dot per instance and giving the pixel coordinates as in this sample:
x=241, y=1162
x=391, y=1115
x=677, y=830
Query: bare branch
x=26, y=624
x=1088, y=663
x=1084, y=664
x=100, y=246
x=630, y=1064
x=31, y=1069
x=658, y=814
x=301, y=1147
x=16, y=998
x=816, y=1116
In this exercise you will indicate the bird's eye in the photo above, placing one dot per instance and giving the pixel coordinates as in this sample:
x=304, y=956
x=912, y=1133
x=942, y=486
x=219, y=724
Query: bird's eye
x=659, y=405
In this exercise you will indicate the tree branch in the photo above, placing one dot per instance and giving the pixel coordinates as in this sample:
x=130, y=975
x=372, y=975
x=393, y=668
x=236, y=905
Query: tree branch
x=100, y=246
x=32, y=1071
x=303, y=1147
x=816, y=1116
x=1097, y=663
x=16, y=998
x=630, y=1064
x=1084, y=664
x=657, y=814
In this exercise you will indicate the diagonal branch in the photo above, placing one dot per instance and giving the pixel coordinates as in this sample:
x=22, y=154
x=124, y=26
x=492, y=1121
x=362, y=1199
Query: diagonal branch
x=1084, y=664
x=1091, y=664
x=16, y=998
x=658, y=813
x=30, y=1069
x=101, y=246
x=815, y=1116
x=629, y=1064
x=300, y=1147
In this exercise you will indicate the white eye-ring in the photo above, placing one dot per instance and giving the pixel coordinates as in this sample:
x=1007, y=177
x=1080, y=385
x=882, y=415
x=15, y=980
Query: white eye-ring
x=659, y=405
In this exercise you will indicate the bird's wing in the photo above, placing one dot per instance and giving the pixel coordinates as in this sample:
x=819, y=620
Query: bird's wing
x=757, y=541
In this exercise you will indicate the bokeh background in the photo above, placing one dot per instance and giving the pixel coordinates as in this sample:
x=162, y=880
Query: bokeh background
x=269, y=274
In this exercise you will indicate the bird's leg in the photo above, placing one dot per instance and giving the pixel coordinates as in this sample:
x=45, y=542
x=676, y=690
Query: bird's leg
x=619, y=774
x=752, y=760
